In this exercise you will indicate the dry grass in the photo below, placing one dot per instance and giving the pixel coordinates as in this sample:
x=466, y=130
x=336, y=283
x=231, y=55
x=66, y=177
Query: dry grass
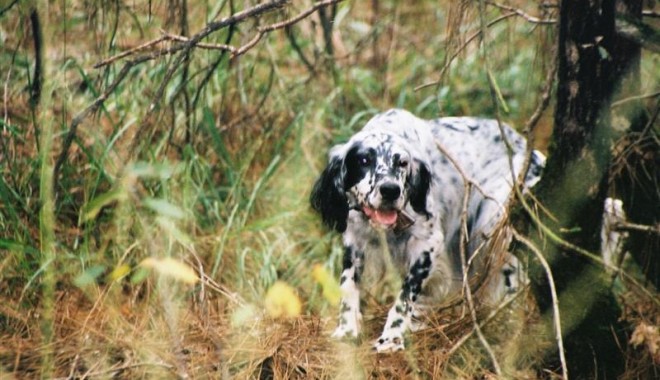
x=219, y=181
x=120, y=337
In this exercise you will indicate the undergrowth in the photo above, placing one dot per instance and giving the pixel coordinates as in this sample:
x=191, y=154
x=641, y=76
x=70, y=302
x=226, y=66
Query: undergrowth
x=215, y=174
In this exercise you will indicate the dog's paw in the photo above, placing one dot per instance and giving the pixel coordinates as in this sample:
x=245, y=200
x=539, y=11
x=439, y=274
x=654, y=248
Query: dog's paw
x=349, y=326
x=343, y=331
x=390, y=341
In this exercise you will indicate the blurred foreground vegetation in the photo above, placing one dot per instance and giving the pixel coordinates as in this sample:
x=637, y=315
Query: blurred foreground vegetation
x=146, y=246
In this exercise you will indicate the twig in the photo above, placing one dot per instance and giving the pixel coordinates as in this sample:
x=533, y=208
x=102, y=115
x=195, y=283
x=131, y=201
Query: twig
x=633, y=98
x=393, y=31
x=530, y=126
x=326, y=26
x=581, y=251
x=513, y=12
x=184, y=47
x=545, y=100
x=485, y=321
x=213, y=67
x=280, y=25
x=460, y=50
x=73, y=128
x=288, y=31
x=650, y=124
x=128, y=52
x=201, y=45
x=494, y=89
x=466, y=283
x=468, y=184
x=464, y=236
x=261, y=31
x=8, y=7
x=192, y=42
x=650, y=13
x=626, y=226
x=526, y=16
x=121, y=368
x=464, y=176
x=555, y=300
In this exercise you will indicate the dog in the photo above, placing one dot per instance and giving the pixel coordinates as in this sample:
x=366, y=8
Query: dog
x=399, y=186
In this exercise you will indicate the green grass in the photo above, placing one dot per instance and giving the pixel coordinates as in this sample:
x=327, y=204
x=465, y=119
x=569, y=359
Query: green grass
x=219, y=181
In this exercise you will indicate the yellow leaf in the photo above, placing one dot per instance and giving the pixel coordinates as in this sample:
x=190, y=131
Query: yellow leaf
x=119, y=272
x=168, y=266
x=330, y=287
x=282, y=301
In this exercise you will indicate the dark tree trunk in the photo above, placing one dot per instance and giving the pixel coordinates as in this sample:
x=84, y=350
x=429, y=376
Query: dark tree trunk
x=635, y=175
x=594, y=65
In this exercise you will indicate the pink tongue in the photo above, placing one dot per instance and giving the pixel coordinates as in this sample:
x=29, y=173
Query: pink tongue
x=381, y=216
x=385, y=217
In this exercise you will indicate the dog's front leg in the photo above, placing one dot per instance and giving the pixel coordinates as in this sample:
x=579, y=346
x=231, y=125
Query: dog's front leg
x=400, y=315
x=349, y=314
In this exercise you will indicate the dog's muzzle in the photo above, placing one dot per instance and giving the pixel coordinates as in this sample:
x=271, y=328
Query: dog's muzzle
x=387, y=214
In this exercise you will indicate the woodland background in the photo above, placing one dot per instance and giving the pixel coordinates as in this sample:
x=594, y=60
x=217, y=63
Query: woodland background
x=157, y=157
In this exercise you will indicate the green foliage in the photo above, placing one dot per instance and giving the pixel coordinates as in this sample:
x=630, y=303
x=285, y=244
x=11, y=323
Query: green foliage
x=217, y=173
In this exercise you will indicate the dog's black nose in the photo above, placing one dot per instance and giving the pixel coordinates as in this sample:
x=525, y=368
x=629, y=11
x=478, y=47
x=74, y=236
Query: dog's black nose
x=390, y=191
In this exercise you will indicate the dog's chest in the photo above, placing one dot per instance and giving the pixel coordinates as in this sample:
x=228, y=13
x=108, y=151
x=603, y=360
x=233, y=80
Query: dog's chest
x=382, y=248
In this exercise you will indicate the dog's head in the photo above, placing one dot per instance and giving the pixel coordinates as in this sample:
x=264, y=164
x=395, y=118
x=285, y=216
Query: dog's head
x=376, y=173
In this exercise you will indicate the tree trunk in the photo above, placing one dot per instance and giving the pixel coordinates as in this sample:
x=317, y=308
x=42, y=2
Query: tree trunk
x=594, y=64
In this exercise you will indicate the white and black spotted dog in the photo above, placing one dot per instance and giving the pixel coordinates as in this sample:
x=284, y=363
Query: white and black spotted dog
x=392, y=180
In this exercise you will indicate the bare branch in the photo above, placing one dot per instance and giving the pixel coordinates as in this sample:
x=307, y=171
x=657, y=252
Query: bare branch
x=128, y=52
x=554, y=238
x=526, y=16
x=460, y=50
x=466, y=284
x=183, y=47
x=555, y=300
x=485, y=321
x=633, y=98
x=296, y=47
x=651, y=13
x=626, y=226
x=512, y=12
x=464, y=176
x=201, y=45
x=543, y=104
x=529, y=128
x=8, y=7
x=283, y=24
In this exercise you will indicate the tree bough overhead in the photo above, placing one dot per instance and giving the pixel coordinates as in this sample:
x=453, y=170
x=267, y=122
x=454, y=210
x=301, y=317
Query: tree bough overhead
x=156, y=158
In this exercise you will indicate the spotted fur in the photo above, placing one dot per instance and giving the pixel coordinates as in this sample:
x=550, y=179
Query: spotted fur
x=392, y=180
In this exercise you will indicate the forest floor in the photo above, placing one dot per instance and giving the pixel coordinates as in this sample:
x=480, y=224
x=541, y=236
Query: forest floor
x=151, y=197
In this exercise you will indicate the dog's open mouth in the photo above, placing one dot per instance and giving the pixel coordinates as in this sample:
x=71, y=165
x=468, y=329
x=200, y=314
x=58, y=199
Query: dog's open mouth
x=384, y=217
x=397, y=220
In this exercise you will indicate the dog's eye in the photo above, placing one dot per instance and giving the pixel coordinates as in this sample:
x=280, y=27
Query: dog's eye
x=403, y=163
x=364, y=161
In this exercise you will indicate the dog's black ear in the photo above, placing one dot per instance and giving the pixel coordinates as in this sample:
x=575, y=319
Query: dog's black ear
x=329, y=198
x=419, y=184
